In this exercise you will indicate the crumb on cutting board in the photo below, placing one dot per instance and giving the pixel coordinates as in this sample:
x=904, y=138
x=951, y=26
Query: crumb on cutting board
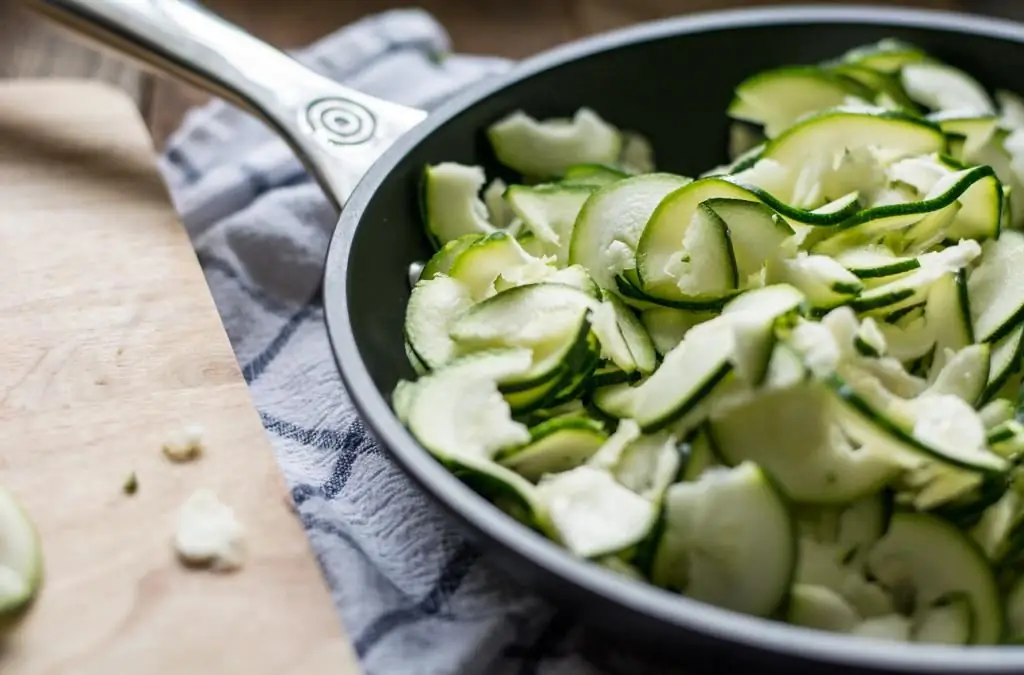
x=209, y=535
x=131, y=484
x=186, y=445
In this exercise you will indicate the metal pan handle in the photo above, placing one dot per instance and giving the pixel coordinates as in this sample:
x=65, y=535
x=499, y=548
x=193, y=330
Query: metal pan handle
x=336, y=131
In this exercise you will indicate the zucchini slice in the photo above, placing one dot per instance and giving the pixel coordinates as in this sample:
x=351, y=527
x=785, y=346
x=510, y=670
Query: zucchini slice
x=545, y=149
x=775, y=99
x=433, y=306
x=549, y=211
x=608, y=227
x=938, y=86
x=821, y=608
x=729, y=539
x=793, y=434
x=451, y=202
x=557, y=445
x=811, y=139
x=924, y=560
x=996, y=288
x=549, y=319
x=441, y=404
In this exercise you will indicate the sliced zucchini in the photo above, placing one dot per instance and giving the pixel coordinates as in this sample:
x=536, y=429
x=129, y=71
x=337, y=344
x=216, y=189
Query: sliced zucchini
x=888, y=55
x=687, y=375
x=752, y=317
x=815, y=137
x=21, y=561
x=545, y=149
x=824, y=281
x=433, y=306
x=593, y=513
x=821, y=608
x=609, y=225
x=549, y=211
x=775, y=99
x=966, y=375
x=548, y=319
x=950, y=622
x=643, y=356
x=700, y=455
x=457, y=411
x=938, y=86
x=793, y=434
x=667, y=327
x=913, y=288
x=705, y=271
x=594, y=175
x=451, y=202
x=729, y=539
x=441, y=262
x=557, y=445
x=936, y=428
x=1007, y=353
x=662, y=246
x=923, y=560
x=498, y=256
x=995, y=412
x=755, y=232
x=996, y=288
x=891, y=627
x=875, y=261
x=947, y=311
x=649, y=465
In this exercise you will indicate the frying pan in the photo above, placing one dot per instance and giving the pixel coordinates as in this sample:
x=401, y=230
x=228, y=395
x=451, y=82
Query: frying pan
x=670, y=80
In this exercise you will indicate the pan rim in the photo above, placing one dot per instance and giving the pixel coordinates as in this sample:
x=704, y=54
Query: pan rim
x=726, y=627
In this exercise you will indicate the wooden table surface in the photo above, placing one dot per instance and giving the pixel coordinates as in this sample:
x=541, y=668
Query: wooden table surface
x=29, y=48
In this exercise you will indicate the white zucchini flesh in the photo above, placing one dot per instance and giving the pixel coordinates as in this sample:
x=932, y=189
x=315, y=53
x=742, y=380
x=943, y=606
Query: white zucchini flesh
x=821, y=608
x=996, y=287
x=662, y=241
x=792, y=433
x=942, y=87
x=451, y=196
x=806, y=141
x=608, y=227
x=667, y=326
x=926, y=559
x=556, y=446
x=755, y=233
x=777, y=98
x=21, y=559
x=458, y=412
x=549, y=211
x=546, y=149
x=594, y=514
x=687, y=375
x=729, y=540
x=966, y=375
x=484, y=263
x=545, y=318
x=433, y=306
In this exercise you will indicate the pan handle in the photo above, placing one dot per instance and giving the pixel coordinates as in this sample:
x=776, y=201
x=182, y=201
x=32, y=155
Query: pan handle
x=336, y=131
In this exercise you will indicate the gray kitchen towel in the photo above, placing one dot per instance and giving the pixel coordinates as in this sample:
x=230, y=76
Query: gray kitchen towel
x=413, y=595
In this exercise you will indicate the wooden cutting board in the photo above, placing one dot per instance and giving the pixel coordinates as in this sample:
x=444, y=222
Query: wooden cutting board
x=110, y=345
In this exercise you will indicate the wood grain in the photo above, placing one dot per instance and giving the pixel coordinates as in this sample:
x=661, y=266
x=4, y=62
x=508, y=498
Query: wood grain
x=111, y=344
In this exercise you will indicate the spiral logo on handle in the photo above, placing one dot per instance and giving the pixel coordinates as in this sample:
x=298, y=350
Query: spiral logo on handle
x=340, y=121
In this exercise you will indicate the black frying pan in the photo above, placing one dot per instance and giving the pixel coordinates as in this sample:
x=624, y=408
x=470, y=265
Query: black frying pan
x=669, y=80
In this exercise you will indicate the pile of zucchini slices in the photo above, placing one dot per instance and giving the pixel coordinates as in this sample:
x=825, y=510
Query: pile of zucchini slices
x=788, y=387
